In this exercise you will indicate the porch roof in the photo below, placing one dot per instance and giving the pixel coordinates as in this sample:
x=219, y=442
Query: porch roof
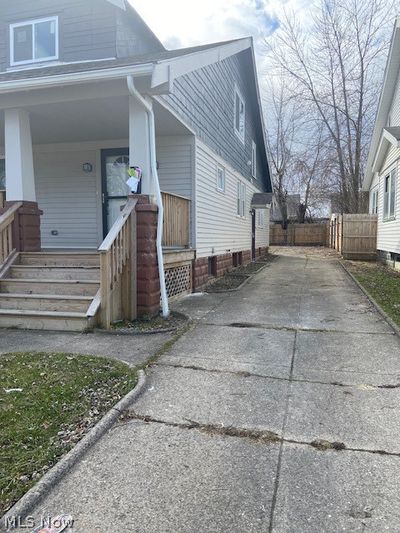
x=103, y=65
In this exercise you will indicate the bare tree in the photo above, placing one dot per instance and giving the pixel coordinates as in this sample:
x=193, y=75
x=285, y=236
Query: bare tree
x=281, y=135
x=336, y=66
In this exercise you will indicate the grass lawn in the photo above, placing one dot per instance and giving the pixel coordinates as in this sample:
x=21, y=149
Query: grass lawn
x=47, y=403
x=382, y=283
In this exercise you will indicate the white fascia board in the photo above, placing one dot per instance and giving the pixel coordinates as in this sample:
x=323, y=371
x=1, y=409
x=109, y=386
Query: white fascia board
x=391, y=138
x=75, y=77
x=386, y=139
x=385, y=102
x=168, y=70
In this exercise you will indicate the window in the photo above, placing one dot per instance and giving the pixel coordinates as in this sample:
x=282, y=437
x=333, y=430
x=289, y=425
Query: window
x=241, y=199
x=374, y=202
x=34, y=41
x=253, y=159
x=389, y=203
x=260, y=218
x=2, y=174
x=220, y=179
x=239, y=115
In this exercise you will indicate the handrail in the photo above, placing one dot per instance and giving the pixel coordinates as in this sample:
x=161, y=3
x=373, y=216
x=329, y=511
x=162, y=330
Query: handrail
x=118, y=225
x=118, y=269
x=7, y=219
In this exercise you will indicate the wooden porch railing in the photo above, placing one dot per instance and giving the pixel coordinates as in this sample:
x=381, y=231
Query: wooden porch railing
x=118, y=269
x=2, y=198
x=7, y=248
x=176, y=220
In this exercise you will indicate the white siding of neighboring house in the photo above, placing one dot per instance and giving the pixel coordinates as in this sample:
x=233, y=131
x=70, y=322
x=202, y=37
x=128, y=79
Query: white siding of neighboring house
x=388, y=231
x=218, y=228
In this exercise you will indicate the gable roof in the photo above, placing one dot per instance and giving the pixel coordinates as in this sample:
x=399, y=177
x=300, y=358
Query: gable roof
x=381, y=136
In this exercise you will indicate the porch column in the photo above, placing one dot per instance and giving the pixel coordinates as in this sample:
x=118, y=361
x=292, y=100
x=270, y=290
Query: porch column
x=139, y=139
x=20, y=179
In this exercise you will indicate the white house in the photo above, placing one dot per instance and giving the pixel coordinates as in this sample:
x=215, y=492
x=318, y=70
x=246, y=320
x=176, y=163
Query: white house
x=87, y=91
x=382, y=176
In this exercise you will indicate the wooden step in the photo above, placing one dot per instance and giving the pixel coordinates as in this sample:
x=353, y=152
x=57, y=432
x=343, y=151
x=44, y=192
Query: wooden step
x=59, y=258
x=90, y=273
x=43, y=320
x=45, y=302
x=49, y=286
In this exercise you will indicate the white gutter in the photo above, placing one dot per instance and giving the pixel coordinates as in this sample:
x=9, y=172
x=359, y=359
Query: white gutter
x=75, y=77
x=153, y=162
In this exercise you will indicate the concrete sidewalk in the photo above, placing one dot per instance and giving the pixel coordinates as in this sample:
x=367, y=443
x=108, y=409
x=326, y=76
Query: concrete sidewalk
x=226, y=438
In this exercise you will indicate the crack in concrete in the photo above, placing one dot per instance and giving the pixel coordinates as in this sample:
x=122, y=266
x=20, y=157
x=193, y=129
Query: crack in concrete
x=292, y=329
x=246, y=374
x=256, y=435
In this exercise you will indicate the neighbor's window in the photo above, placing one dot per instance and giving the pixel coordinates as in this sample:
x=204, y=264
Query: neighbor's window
x=374, y=202
x=241, y=199
x=221, y=179
x=240, y=112
x=260, y=218
x=2, y=174
x=389, y=203
x=253, y=159
x=34, y=41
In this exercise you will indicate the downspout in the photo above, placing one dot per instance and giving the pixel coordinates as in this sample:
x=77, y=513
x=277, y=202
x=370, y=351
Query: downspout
x=153, y=163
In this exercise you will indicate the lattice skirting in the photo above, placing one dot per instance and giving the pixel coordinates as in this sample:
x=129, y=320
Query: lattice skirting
x=178, y=280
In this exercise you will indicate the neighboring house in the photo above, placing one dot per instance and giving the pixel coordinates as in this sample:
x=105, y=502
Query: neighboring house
x=382, y=176
x=80, y=84
x=293, y=203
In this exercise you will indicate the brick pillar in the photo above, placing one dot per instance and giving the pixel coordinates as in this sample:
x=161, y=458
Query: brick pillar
x=148, y=281
x=26, y=227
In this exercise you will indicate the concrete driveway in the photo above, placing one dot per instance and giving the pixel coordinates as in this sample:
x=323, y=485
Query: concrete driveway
x=279, y=411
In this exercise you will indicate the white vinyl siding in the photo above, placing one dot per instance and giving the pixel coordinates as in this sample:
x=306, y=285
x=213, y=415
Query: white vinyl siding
x=218, y=228
x=388, y=230
x=69, y=199
x=175, y=156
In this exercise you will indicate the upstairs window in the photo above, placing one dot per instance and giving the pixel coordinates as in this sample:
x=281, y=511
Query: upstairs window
x=241, y=199
x=34, y=41
x=220, y=179
x=240, y=114
x=389, y=203
x=253, y=159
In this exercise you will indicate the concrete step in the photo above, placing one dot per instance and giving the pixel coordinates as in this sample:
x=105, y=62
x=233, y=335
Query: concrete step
x=44, y=302
x=89, y=273
x=49, y=286
x=59, y=258
x=43, y=320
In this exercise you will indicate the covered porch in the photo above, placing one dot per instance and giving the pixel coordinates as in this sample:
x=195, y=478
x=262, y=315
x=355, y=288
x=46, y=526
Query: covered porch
x=66, y=155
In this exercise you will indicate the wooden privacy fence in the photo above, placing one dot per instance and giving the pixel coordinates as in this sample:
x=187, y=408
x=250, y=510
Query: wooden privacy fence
x=299, y=234
x=176, y=221
x=354, y=235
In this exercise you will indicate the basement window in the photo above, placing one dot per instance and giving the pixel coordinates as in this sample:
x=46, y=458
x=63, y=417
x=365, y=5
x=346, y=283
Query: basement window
x=34, y=41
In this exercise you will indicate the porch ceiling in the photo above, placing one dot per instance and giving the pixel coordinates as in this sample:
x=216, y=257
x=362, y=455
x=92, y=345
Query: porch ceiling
x=90, y=120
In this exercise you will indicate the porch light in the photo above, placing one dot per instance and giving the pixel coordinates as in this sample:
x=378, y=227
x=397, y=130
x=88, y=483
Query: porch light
x=87, y=167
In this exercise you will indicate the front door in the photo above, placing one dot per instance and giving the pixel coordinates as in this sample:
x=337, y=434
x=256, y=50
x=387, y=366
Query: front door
x=115, y=166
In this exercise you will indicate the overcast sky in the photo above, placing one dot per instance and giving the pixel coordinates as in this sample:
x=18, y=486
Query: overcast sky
x=179, y=23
